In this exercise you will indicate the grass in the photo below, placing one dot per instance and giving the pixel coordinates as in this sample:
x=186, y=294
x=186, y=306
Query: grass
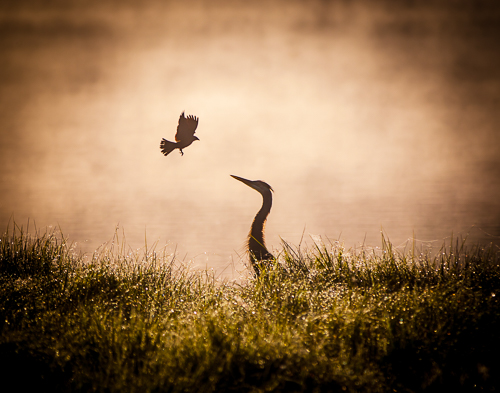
x=326, y=319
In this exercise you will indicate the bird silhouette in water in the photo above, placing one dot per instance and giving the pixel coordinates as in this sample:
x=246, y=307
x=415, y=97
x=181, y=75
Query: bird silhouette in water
x=184, y=136
x=256, y=247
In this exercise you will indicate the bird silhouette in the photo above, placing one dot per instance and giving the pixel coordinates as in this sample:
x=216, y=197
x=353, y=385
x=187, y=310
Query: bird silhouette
x=184, y=136
x=256, y=247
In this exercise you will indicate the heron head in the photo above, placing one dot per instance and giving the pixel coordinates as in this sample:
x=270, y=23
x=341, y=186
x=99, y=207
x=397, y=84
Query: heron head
x=257, y=185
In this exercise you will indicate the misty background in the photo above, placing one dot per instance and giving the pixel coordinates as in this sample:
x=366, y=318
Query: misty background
x=363, y=116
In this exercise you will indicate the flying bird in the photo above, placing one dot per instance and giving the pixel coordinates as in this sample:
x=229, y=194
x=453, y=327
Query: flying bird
x=184, y=136
x=256, y=247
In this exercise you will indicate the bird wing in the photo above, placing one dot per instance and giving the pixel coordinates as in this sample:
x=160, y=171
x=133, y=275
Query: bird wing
x=186, y=127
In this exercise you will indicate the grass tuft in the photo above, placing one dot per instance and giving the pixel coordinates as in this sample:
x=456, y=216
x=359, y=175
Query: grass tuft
x=326, y=319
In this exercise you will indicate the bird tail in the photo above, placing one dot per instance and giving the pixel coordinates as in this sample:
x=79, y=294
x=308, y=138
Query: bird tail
x=167, y=146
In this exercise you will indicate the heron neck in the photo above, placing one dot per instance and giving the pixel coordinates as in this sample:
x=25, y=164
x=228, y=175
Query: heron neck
x=256, y=241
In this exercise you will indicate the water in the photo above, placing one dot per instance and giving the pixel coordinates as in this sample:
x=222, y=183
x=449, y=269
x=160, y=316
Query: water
x=362, y=118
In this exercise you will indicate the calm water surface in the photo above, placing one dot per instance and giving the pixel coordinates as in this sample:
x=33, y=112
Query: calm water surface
x=362, y=117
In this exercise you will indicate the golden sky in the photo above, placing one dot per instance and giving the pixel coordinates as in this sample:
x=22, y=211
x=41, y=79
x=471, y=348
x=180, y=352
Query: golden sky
x=361, y=115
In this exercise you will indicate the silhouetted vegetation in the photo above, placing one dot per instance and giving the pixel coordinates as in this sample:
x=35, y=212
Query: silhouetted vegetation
x=325, y=319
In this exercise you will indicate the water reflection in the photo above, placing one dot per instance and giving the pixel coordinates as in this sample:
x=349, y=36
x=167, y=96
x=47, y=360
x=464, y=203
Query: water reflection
x=360, y=116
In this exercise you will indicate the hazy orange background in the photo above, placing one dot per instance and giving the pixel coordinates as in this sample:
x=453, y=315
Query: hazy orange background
x=361, y=115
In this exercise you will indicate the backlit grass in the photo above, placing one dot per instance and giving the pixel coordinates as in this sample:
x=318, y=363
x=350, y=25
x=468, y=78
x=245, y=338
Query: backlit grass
x=325, y=319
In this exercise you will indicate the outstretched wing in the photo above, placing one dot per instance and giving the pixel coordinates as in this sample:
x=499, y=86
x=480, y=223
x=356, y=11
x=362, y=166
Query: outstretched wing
x=186, y=128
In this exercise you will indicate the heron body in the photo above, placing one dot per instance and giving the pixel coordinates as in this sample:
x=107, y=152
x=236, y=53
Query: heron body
x=256, y=246
x=184, y=136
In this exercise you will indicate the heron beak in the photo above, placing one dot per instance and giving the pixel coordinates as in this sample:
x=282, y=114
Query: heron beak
x=255, y=184
x=246, y=181
x=249, y=183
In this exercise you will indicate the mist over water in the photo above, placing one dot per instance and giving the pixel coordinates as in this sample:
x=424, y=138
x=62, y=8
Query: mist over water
x=360, y=115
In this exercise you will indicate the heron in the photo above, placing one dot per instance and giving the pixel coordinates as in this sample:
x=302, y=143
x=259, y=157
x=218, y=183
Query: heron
x=256, y=246
x=184, y=136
